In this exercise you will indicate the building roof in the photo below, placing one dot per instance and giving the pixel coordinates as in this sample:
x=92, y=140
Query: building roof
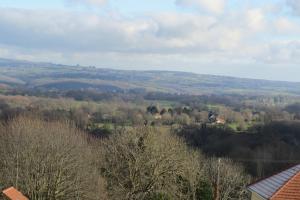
x=279, y=186
x=290, y=191
x=13, y=194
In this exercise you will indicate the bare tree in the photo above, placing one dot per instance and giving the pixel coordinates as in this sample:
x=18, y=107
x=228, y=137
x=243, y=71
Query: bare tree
x=143, y=161
x=227, y=179
x=53, y=161
x=46, y=160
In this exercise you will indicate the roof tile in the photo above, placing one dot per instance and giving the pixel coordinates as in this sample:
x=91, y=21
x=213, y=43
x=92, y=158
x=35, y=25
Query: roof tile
x=14, y=194
x=290, y=191
x=270, y=187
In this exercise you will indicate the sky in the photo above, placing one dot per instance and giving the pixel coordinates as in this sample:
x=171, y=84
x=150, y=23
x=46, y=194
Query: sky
x=242, y=38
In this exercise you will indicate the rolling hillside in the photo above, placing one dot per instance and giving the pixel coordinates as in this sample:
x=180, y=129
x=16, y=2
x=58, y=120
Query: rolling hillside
x=48, y=76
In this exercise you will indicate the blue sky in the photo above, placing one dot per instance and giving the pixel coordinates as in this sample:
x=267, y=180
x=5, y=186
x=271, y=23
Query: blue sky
x=243, y=38
x=124, y=5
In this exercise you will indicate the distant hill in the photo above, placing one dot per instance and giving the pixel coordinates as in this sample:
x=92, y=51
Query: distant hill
x=48, y=76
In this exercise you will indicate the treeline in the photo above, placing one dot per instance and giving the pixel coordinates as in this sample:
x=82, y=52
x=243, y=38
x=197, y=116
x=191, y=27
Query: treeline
x=263, y=150
x=134, y=110
x=232, y=100
x=55, y=160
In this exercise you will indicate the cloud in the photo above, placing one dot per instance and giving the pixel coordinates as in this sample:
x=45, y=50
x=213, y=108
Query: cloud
x=256, y=19
x=67, y=31
x=212, y=6
x=88, y=2
x=156, y=33
x=294, y=5
x=241, y=37
x=286, y=26
x=283, y=52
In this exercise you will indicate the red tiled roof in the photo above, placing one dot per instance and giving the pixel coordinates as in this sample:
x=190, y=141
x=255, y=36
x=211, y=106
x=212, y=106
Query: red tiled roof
x=290, y=191
x=14, y=194
x=269, y=187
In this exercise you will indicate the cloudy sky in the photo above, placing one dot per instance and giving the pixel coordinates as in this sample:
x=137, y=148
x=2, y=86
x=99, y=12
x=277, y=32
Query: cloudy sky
x=244, y=38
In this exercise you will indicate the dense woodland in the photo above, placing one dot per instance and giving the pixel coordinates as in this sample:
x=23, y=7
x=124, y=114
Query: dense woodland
x=86, y=143
x=91, y=145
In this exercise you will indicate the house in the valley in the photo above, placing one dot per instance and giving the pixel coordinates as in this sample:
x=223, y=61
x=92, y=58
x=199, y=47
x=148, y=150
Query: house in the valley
x=157, y=116
x=220, y=120
x=282, y=186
